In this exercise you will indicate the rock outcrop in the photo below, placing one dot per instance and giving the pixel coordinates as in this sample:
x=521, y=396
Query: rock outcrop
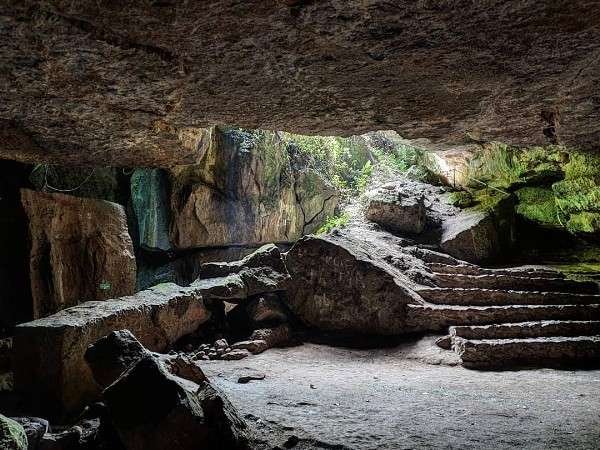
x=132, y=83
x=354, y=281
x=80, y=251
x=243, y=192
x=51, y=371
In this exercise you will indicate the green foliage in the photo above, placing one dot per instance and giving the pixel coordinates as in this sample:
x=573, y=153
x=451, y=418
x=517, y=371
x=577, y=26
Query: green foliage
x=488, y=199
x=584, y=222
x=537, y=204
x=350, y=162
x=334, y=222
x=461, y=199
x=503, y=166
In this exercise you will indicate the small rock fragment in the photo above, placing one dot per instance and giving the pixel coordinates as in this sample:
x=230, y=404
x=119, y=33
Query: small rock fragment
x=235, y=355
x=248, y=378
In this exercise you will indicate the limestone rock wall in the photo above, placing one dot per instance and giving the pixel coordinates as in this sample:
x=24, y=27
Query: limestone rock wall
x=80, y=250
x=245, y=191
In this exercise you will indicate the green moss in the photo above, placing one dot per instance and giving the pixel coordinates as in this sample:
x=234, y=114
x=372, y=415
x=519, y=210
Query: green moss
x=584, y=222
x=488, y=199
x=12, y=434
x=538, y=205
x=334, y=222
x=461, y=199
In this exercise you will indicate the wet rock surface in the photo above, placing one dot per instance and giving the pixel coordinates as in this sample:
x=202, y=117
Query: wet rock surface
x=80, y=250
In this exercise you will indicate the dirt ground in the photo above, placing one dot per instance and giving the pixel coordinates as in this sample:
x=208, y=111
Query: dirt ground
x=410, y=396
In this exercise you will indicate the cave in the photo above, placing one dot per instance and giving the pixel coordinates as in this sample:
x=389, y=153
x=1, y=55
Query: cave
x=299, y=224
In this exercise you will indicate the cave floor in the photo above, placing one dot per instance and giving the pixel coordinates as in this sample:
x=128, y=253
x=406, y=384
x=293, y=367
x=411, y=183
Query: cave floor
x=409, y=396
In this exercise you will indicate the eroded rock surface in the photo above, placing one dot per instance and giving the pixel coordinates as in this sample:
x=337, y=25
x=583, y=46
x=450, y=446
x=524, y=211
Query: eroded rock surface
x=132, y=83
x=355, y=281
x=80, y=251
x=244, y=191
x=51, y=371
x=396, y=212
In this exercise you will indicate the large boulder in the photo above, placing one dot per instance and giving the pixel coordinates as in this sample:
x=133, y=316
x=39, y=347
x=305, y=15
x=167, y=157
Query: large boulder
x=478, y=235
x=353, y=282
x=12, y=435
x=51, y=371
x=112, y=355
x=153, y=409
x=80, y=251
x=396, y=211
x=244, y=191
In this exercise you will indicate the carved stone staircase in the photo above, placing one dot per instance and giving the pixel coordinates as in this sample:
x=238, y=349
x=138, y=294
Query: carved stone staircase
x=502, y=318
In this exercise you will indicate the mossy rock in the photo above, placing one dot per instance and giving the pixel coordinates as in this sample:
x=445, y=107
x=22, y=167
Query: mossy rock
x=537, y=205
x=461, y=199
x=12, y=435
x=584, y=222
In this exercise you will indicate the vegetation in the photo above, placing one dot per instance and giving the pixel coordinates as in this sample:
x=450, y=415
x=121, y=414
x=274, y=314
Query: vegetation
x=350, y=162
x=334, y=222
x=461, y=199
x=537, y=204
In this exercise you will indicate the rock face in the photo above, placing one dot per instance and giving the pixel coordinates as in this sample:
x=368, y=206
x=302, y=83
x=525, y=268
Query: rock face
x=131, y=83
x=244, y=191
x=395, y=212
x=350, y=283
x=51, y=371
x=80, y=251
x=149, y=199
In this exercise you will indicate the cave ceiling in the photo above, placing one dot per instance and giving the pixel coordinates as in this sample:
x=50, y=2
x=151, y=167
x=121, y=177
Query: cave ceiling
x=134, y=83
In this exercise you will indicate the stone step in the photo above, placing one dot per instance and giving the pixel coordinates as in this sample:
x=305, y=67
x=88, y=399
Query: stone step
x=545, y=328
x=430, y=317
x=541, y=351
x=516, y=283
x=499, y=297
x=468, y=269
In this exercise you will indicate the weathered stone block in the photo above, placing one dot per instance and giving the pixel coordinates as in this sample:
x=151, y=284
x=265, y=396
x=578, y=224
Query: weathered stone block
x=80, y=251
x=51, y=371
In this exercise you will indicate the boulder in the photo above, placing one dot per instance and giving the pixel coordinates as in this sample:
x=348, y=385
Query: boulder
x=178, y=413
x=80, y=251
x=149, y=200
x=51, y=371
x=279, y=336
x=477, y=236
x=395, y=211
x=260, y=272
x=112, y=355
x=253, y=346
x=12, y=435
x=244, y=192
x=350, y=282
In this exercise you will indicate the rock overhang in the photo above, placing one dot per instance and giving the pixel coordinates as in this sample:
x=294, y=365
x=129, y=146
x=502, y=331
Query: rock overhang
x=134, y=84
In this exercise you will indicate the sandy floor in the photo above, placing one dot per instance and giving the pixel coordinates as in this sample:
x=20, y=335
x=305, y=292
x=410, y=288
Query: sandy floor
x=408, y=397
